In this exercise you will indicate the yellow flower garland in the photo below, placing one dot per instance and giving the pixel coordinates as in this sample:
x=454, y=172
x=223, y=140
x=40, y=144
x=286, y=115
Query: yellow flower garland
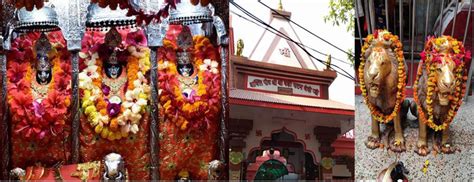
x=199, y=107
x=94, y=105
x=430, y=66
x=397, y=47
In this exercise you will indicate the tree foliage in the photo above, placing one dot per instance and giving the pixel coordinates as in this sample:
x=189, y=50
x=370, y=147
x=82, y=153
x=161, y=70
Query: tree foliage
x=341, y=12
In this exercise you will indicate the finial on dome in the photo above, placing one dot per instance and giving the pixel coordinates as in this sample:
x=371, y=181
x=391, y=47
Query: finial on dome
x=328, y=62
x=280, y=6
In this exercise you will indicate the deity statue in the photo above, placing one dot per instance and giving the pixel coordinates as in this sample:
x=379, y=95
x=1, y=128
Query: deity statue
x=43, y=66
x=190, y=104
x=240, y=47
x=114, y=78
x=114, y=83
x=190, y=93
x=39, y=89
x=188, y=77
x=43, y=70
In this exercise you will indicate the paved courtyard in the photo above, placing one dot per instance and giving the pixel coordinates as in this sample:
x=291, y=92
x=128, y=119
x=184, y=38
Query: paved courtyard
x=443, y=167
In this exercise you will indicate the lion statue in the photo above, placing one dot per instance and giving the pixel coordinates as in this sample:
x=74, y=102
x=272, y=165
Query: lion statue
x=438, y=90
x=382, y=78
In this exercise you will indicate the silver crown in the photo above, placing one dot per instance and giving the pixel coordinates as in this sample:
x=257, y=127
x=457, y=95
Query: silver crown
x=185, y=45
x=100, y=17
x=44, y=18
x=113, y=58
x=183, y=57
x=43, y=46
x=187, y=13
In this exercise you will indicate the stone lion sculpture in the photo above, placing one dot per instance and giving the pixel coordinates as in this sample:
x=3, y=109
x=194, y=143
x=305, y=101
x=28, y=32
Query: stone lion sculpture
x=382, y=78
x=439, y=88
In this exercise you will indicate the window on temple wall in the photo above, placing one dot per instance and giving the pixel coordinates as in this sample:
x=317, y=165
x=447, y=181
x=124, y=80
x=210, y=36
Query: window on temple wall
x=349, y=134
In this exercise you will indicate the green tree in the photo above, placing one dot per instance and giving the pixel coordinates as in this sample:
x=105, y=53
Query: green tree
x=341, y=12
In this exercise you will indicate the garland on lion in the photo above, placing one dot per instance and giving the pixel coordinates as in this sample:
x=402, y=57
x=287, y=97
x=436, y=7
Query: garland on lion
x=430, y=57
x=39, y=112
x=396, y=45
x=188, y=129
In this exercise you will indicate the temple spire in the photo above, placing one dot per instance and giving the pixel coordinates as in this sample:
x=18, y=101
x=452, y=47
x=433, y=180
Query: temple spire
x=280, y=6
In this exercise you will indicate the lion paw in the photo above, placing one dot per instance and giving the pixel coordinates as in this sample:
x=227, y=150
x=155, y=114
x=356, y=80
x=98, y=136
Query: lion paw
x=448, y=149
x=422, y=150
x=397, y=146
x=373, y=142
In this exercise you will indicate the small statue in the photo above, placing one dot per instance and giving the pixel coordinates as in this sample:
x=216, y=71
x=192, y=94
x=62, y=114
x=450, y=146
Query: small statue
x=17, y=174
x=114, y=168
x=115, y=80
x=188, y=76
x=183, y=176
x=113, y=69
x=240, y=47
x=328, y=62
x=216, y=170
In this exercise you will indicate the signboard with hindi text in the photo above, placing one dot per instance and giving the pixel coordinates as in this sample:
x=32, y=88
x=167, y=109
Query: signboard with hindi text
x=283, y=86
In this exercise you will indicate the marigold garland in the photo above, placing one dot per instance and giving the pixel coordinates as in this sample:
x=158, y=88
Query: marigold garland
x=204, y=106
x=396, y=45
x=430, y=58
x=34, y=119
x=94, y=103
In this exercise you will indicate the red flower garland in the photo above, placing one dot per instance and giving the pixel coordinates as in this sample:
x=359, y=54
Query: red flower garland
x=31, y=119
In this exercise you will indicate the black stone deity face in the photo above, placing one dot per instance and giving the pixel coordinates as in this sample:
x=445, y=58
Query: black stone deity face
x=113, y=69
x=43, y=70
x=186, y=69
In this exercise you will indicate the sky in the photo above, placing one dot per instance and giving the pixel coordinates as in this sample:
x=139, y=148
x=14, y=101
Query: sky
x=309, y=14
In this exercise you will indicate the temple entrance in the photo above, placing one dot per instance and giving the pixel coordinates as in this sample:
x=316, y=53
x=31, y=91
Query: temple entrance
x=286, y=148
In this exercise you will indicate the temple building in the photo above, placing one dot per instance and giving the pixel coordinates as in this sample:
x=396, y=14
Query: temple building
x=281, y=116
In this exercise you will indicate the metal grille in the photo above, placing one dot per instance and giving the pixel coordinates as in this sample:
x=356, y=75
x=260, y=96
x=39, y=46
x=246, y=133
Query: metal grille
x=413, y=21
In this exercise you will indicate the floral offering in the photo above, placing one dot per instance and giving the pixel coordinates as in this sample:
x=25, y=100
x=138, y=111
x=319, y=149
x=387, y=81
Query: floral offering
x=110, y=115
x=190, y=106
x=38, y=112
